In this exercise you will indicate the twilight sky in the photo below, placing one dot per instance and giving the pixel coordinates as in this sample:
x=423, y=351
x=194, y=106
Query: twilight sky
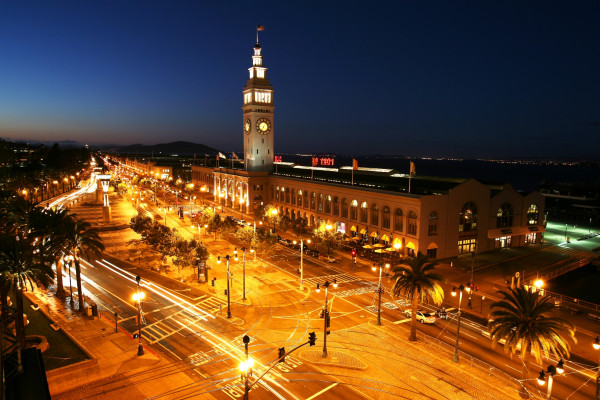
x=419, y=78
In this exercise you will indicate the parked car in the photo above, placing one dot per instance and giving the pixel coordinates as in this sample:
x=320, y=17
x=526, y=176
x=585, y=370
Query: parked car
x=312, y=252
x=422, y=317
x=284, y=241
x=326, y=258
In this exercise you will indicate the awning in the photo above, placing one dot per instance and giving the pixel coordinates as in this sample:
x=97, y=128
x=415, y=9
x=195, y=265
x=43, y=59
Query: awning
x=373, y=234
x=385, y=237
x=512, y=231
x=367, y=246
x=363, y=231
x=353, y=228
x=410, y=245
x=397, y=240
x=378, y=245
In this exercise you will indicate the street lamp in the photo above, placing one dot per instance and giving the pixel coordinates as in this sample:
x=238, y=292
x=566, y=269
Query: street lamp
x=228, y=294
x=302, y=261
x=328, y=228
x=274, y=214
x=596, y=346
x=326, y=313
x=551, y=371
x=246, y=367
x=380, y=290
x=138, y=297
x=243, y=270
x=460, y=288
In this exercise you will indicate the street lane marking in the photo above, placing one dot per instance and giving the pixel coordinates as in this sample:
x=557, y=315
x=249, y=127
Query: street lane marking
x=512, y=368
x=322, y=391
x=402, y=321
x=469, y=335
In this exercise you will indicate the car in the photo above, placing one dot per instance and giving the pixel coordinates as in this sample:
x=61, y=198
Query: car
x=422, y=317
x=326, y=258
x=312, y=252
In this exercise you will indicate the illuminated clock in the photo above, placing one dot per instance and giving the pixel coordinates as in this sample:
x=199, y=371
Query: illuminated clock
x=263, y=125
x=247, y=126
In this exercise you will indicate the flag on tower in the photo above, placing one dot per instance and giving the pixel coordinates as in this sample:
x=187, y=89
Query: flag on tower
x=221, y=155
x=260, y=28
x=354, y=164
x=413, y=171
x=234, y=156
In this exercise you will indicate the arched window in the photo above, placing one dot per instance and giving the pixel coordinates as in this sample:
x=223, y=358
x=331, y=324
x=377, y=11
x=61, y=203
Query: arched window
x=398, y=216
x=300, y=198
x=328, y=205
x=293, y=196
x=412, y=223
x=504, y=216
x=354, y=210
x=344, y=208
x=336, y=206
x=277, y=193
x=468, y=218
x=320, y=203
x=433, y=221
x=533, y=215
x=313, y=200
x=364, y=213
x=375, y=215
x=287, y=195
x=385, y=218
x=306, y=196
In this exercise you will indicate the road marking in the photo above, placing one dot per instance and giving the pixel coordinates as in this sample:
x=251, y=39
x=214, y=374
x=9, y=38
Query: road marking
x=401, y=321
x=321, y=392
x=513, y=368
x=466, y=334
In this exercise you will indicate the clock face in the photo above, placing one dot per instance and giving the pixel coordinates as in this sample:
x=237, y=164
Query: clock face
x=247, y=126
x=263, y=125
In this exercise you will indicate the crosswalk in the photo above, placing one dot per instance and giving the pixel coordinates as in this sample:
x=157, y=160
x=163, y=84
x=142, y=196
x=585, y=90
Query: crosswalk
x=181, y=320
x=340, y=279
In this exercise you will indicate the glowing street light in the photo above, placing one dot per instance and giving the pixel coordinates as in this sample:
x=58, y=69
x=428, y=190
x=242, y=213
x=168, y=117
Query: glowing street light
x=380, y=290
x=551, y=371
x=301, y=261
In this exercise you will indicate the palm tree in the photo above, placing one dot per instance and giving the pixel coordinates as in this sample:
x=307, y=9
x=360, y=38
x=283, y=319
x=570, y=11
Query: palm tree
x=416, y=279
x=77, y=238
x=522, y=321
x=20, y=264
x=52, y=222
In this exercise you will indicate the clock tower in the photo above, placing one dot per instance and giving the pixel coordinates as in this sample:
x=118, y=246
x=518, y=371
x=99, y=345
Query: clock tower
x=257, y=123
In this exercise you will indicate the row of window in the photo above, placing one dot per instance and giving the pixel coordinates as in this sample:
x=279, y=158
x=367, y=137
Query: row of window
x=504, y=216
x=344, y=209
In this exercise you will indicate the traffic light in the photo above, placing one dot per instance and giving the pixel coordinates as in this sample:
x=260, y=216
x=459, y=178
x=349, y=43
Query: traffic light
x=312, y=338
x=322, y=314
x=353, y=253
x=281, y=354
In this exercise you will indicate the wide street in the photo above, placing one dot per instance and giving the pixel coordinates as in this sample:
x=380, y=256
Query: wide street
x=189, y=324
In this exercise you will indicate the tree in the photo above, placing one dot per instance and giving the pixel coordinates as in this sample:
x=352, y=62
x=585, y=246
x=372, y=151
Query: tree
x=53, y=221
x=264, y=241
x=20, y=265
x=522, y=320
x=76, y=237
x=214, y=224
x=285, y=223
x=245, y=235
x=416, y=279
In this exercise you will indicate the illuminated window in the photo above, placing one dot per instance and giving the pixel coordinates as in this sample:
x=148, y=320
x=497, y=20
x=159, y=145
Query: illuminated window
x=398, y=220
x=320, y=203
x=468, y=218
x=328, y=205
x=385, y=218
x=433, y=221
x=533, y=215
x=277, y=193
x=375, y=215
x=313, y=200
x=299, y=198
x=412, y=223
x=344, y=209
x=354, y=210
x=364, y=212
x=504, y=216
x=467, y=246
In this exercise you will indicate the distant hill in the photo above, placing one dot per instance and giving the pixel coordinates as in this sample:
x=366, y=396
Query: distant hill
x=180, y=148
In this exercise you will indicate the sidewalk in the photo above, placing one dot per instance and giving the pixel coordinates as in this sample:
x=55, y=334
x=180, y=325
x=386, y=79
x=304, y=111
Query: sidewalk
x=113, y=366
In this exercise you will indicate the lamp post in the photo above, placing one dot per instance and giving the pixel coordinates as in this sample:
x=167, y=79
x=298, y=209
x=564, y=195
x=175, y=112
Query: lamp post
x=274, y=214
x=326, y=313
x=246, y=367
x=70, y=258
x=566, y=231
x=460, y=288
x=243, y=271
x=596, y=346
x=228, y=291
x=380, y=290
x=138, y=296
x=302, y=261
x=551, y=371
x=328, y=228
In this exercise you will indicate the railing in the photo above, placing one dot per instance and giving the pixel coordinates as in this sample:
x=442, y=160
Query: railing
x=566, y=268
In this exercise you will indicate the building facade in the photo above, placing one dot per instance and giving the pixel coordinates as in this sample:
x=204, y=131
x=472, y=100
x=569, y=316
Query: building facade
x=453, y=218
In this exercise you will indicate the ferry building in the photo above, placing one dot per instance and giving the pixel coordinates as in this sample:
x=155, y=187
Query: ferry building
x=437, y=216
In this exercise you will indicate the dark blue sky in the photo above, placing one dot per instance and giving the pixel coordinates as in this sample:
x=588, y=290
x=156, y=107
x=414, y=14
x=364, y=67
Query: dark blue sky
x=428, y=78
